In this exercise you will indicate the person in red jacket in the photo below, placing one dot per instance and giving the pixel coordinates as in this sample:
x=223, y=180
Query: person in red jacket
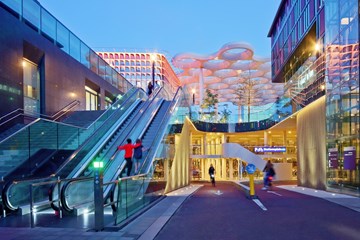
x=128, y=154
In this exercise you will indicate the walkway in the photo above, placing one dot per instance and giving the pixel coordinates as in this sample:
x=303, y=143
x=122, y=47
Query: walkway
x=223, y=212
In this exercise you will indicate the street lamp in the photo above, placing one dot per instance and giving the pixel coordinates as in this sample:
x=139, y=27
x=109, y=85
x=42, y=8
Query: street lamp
x=153, y=58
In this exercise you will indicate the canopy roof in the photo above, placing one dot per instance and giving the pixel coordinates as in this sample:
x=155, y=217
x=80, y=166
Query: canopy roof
x=233, y=69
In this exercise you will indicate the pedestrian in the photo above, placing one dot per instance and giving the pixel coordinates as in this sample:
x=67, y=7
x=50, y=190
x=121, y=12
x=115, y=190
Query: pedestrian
x=138, y=154
x=157, y=85
x=150, y=89
x=212, y=174
x=269, y=173
x=128, y=154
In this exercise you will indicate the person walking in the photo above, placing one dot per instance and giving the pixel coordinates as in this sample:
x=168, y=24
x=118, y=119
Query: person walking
x=269, y=172
x=138, y=154
x=128, y=154
x=150, y=88
x=212, y=174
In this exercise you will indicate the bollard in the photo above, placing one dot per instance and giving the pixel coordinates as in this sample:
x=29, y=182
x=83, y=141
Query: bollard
x=250, y=168
x=252, y=185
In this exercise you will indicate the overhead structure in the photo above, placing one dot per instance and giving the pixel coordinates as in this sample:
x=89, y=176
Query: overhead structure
x=232, y=68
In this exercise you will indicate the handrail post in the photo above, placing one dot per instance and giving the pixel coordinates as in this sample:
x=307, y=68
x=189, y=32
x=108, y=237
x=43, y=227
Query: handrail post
x=59, y=197
x=98, y=199
x=2, y=201
x=31, y=207
x=143, y=187
x=126, y=199
x=57, y=136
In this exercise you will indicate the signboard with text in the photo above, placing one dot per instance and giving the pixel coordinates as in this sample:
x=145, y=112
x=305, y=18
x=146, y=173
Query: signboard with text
x=349, y=158
x=269, y=149
x=333, y=158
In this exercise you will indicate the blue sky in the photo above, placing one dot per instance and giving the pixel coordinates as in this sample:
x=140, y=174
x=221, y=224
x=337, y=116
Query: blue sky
x=170, y=26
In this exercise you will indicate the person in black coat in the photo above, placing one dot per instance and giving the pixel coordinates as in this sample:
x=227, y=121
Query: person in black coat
x=212, y=174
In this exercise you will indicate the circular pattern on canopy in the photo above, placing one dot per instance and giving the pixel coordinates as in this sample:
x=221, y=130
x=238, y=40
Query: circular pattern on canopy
x=234, y=66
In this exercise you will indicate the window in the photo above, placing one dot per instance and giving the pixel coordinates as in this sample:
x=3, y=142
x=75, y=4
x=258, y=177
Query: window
x=31, y=86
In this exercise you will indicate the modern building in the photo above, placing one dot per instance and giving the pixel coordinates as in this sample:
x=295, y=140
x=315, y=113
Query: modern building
x=315, y=52
x=44, y=66
x=142, y=68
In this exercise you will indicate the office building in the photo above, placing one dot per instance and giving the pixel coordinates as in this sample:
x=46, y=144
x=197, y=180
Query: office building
x=315, y=52
x=141, y=68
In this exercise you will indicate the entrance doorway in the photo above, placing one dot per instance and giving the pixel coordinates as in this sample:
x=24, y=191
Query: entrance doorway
x=31, y=79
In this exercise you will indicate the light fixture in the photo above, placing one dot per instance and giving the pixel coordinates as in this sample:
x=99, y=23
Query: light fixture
x=317, y=47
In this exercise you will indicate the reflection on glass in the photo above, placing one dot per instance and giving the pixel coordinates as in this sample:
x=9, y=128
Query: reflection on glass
x=31, y=12
x=75, y=47
x=85, y=55
x=13, y=4
x=63, y=37
x=48, y=25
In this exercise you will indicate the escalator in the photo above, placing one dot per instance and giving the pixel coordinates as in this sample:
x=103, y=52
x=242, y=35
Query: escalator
x=16, y=193
x=78, y=194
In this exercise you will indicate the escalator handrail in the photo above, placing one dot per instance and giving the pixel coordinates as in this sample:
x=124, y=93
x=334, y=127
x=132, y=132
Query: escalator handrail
x=34, y=114
x=130, y=132
x=167, y=115
x=142, y=110
x=89, y=138
x=7, y=186
x=160, y=133
x=42, y=116
x=60, y=123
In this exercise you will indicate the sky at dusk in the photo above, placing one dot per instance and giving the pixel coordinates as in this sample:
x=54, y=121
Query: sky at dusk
x=167, y=26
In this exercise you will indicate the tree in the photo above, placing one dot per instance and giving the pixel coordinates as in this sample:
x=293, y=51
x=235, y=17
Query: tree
x=247, y=95
x=209, y=102
x=225, y=115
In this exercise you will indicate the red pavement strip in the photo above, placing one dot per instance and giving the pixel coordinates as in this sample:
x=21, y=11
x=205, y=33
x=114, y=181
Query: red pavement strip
x=208, y=214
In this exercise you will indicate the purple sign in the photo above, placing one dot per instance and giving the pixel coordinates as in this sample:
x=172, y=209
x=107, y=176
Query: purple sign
x=349, y=158
x=333, y=158
x=270, y=149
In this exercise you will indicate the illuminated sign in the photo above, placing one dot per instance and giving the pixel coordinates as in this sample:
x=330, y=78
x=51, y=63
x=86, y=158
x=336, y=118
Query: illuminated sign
x=269, y=149
x=349, y=158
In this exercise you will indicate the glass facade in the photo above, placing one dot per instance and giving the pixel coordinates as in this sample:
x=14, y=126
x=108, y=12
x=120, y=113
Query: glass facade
x=293, y=23
x=342, y=96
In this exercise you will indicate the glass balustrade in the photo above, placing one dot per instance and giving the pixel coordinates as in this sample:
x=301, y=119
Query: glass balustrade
x=53, y=135
x=79, y=192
